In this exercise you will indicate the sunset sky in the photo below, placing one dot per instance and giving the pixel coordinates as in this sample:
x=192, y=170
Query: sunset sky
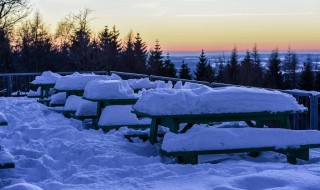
x=192, y=25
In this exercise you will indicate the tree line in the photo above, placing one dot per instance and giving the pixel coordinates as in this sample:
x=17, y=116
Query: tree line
x=73, y=47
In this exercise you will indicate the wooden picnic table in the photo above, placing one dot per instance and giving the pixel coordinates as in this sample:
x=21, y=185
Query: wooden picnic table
x=102, y=103
x=173, y=121
x=76, y=92
x=44, y=92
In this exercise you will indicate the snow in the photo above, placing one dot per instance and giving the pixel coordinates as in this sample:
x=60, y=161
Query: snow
x=22, y=186
x=142, y=83
x=120, y=115
x=72, y=103
x=53, y=152
x=32, y=93
x=46, y=77
x=78, y=81
x=58, y=99
x=108, y=89
x=210, y=138
x=206, y=100
x=3, y=119
x=87, y=108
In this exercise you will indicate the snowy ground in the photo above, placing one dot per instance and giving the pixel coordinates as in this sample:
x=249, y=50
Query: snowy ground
x=53, y=152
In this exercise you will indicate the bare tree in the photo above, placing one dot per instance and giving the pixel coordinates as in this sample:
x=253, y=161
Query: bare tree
x=12, y=11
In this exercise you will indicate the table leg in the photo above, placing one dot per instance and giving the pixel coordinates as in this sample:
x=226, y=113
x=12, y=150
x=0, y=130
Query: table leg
x=154, y=130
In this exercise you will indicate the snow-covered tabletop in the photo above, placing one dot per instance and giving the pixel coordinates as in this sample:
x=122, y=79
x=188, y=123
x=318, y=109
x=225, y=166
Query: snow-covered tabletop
x=136, y=84
x=209, y=138
x=46, y=77
x=108, y=89
x=78, y=82
x=206, y=100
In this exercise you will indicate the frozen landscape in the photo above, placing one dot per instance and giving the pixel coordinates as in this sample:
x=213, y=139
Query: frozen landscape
x=53, y=152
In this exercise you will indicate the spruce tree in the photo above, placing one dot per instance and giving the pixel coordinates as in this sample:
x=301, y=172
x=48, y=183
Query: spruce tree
x=105, y=46
x=169, y=68
x=246, y=71
x=204, y=71
x=140, y=55
x=257, y=75
x=307, y=77
x=289, y=67
x=274, y=76
x=231, y=74
x=184, y=72
x=128, y=54
x=155, y=60
x=115, y=50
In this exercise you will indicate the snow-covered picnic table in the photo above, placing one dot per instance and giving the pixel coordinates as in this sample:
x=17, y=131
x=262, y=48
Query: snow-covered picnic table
x=109, y=92
x=45, y=82
x=204, y=105
x=204, y=140
x=75, y=84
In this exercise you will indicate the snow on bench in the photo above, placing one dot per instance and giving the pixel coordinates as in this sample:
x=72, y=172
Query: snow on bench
x=115, y=117
x=75, y=106
x=46, y=77
x=202, y=140
x=144, y=83
x=58, y=99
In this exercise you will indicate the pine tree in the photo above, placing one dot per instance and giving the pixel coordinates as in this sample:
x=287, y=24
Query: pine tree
x=204, y=71
x=246, y=71
x=105, y=46
x=289, y=67
x=257, y=76
x=274, y=76
x=155, y=60
x=231, y=74
x=128, y=54
x=184, y=72
x=114, y=50
x=140, y=55
x=169, y=68
x=307, y=77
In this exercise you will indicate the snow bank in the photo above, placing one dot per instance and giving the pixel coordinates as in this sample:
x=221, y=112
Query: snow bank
x=120, y=115
x=32, y=93
x=78, y=81
x=53, y=152
x=3, y=119
x=187, y=85
x=206, y=100
x=108, y=89
x=210, y=138
x=46, y=77
x=164, y=85
x=58, y=99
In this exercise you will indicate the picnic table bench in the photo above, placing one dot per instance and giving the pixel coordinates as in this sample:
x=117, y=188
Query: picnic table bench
x=70, y=92
x=173, y=121
x=292, y=143
x=102, y=103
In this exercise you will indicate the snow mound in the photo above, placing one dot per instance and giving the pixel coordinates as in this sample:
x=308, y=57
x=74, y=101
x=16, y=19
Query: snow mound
x=58, y=99
x=120, y=115
x=32, y=93
x=78, y=81
x=3, y=119
x=22, y=186
x=209, y=138
x=108, y=89
x=164, y=85
x=188, y=85
x=142, y=83
x=46, y=77
x=206, y=100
